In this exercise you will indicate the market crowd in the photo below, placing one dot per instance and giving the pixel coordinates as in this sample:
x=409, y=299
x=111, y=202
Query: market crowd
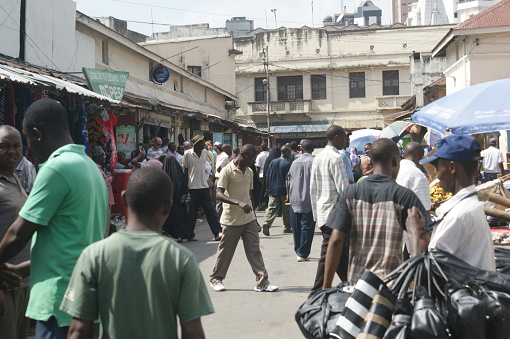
x=373, y=212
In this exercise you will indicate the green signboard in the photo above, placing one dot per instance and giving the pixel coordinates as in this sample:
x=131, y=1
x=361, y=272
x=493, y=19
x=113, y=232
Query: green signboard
x=108, y=83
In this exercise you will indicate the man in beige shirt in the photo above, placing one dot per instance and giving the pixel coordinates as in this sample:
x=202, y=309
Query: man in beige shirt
x=239, y=221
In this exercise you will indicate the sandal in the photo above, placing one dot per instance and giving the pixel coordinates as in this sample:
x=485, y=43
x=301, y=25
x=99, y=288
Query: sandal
x=179, y=239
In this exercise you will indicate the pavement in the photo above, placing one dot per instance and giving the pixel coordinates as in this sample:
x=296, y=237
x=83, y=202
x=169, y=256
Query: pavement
x=239, y=311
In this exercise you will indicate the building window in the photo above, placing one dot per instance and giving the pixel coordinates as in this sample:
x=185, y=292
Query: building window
x=390, y=83
x=260, y=90
x=357, y=85
x=104, y=55
x=197, y=70
x=318, y=87
x=290, y=88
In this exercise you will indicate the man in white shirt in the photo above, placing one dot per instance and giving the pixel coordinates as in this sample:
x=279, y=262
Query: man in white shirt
x=223, y=158
x=328, y=179
x=492, y=161
x=194, y=163
x=461, y=228
x=259, y=165
x=155, y=151
x=410, y=176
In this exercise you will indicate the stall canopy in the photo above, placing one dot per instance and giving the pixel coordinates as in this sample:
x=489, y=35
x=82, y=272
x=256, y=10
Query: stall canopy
x=23, y=76
x=480, y=108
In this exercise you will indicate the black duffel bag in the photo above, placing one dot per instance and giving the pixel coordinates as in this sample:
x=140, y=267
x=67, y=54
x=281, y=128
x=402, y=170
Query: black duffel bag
x=318, y=315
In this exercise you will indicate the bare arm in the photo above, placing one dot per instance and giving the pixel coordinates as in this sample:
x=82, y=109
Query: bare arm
x=288, y=189
x=333, y=255
x=17, y=236
x=501, y=167
x=81, y=329
x=192, y=330
x=418, y=240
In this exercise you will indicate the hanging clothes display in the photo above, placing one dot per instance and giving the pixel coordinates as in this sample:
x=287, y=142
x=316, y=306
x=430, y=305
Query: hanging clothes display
x=109, y=121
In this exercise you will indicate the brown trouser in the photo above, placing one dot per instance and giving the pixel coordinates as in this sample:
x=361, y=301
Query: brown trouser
x=14, y=324
x=227, y=247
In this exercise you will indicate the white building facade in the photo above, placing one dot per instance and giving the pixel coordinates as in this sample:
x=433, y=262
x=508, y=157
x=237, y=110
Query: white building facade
x=350, y=76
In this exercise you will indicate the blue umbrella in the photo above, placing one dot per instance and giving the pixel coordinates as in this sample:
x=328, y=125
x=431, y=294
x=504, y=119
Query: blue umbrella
x=360, y=143
x=477, y=109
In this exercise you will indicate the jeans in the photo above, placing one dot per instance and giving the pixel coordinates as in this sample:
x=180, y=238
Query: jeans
x=303, y=227
x=50, y=330
x=276, y=203
x=202, y=197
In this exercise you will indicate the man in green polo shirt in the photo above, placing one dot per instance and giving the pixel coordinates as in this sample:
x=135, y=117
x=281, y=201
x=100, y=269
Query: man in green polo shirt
x=66, y=210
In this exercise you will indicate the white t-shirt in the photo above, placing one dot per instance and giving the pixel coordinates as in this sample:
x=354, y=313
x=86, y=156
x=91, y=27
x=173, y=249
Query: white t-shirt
x=261, y=161
x=196, y=169
x=464, y=231
x=491, y=159
x=221, y=161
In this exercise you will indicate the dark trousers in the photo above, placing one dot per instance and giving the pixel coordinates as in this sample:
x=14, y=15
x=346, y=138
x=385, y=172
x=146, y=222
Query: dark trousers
x=489, y=176
x=50, y=330
x=341, y=270
x=263, y=199
x=202, y=197
x=303, y=227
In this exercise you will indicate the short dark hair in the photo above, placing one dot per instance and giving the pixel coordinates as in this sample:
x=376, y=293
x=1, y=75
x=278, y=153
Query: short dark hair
x=333, y=131
x=294, y=145
x=47, y=115
x=249, y=149
x=263, y=146
x=147, y=190
x=382, y=151
x=307, y=145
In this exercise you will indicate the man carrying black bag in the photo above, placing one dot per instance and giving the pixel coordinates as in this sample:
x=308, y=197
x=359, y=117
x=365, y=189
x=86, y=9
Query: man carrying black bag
x=461, y=228
x=374, y=211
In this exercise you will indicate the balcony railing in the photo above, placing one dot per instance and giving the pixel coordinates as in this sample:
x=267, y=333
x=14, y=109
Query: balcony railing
x=280, y=107
x=391, y=101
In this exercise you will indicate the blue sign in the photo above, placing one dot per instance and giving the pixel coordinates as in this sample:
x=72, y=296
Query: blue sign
x=160, y=74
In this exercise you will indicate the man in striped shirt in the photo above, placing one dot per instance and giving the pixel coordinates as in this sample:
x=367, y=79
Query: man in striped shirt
x=328, y=179
x=13, y=324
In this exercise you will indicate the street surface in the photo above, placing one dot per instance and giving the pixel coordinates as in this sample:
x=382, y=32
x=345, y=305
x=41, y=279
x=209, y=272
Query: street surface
x=243, y=313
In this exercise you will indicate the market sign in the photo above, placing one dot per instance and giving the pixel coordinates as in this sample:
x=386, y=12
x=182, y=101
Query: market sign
x=300, y=128
x=111, y=84
x=160, y=74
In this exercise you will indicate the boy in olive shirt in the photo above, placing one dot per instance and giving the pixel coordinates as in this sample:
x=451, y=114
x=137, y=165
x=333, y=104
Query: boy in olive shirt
x=137, y=280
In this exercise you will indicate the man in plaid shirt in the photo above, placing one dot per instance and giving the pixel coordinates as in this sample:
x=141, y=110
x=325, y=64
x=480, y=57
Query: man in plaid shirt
x=374, y=213
x=328, y=179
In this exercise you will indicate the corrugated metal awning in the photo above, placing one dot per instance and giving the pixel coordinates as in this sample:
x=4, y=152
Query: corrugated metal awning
x=27, y=77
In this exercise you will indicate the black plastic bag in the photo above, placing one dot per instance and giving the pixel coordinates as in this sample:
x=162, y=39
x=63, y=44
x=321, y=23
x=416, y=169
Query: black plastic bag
x=318, y=315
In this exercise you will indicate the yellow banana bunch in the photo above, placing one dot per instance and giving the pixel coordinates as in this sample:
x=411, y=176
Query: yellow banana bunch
x=437, y=194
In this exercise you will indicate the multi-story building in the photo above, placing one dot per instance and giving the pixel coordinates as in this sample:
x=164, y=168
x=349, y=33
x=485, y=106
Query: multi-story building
x=239, y=26
x=438, y=12
x=347, y=75
x=400, y=10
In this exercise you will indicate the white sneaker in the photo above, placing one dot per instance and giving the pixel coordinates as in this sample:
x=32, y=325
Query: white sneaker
x=218, y=286
x=301, y=259
x=266, y=288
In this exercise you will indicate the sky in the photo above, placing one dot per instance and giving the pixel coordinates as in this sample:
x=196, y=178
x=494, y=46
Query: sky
x=289, y=13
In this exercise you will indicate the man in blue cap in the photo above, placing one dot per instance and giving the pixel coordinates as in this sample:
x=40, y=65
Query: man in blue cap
x=461, y=228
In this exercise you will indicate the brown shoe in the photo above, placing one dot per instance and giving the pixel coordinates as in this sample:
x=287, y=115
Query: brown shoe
x=218, y=237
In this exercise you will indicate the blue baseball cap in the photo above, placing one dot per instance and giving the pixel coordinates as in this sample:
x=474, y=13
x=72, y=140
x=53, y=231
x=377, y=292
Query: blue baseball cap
x=457, y=148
